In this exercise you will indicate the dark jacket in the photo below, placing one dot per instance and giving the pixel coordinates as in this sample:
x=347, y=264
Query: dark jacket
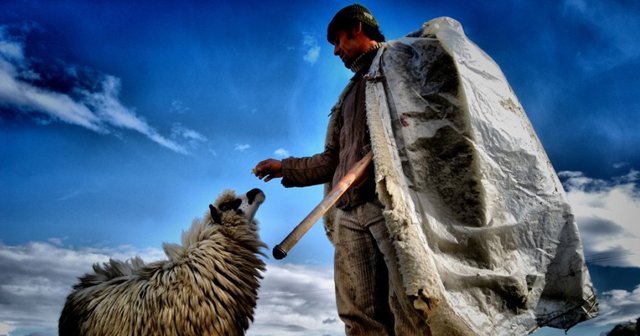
x=347, y=142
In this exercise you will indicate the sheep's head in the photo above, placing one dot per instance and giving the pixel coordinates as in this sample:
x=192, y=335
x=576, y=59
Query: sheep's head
x=230, y=216
x=230, y=210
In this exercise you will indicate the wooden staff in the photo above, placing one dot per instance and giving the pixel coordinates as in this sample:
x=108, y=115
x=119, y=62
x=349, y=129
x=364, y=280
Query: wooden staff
x=280, y=250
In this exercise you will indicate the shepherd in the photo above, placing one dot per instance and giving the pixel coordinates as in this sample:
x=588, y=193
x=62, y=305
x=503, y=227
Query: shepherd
x=460, y=226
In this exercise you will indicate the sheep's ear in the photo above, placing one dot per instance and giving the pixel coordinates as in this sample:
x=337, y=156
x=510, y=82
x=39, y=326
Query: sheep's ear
x=215, y=214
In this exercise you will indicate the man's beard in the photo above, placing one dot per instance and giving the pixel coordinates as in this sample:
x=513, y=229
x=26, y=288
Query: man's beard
x=349, y=62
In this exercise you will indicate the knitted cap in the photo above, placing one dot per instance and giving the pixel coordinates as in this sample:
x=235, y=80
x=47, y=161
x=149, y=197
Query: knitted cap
x=345, y=16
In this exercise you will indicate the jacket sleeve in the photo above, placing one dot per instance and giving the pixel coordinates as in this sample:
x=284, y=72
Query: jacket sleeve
x=316, y=169
x=307, y=171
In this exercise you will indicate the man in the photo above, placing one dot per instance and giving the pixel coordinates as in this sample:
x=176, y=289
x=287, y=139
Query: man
x=478, y=237
x=366, y=300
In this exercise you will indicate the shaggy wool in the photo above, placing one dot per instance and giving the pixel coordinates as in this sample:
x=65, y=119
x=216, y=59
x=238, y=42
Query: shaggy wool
x=207, y=286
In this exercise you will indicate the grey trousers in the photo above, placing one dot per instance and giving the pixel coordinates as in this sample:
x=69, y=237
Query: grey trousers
x=365, y=298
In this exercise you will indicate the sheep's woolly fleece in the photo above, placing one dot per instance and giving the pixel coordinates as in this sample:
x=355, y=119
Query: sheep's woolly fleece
x=208, y=285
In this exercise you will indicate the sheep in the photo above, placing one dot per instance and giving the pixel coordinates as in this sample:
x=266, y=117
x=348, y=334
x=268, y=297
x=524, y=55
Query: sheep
x=208, y=286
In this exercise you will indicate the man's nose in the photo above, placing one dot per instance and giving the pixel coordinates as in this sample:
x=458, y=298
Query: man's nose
x=335, y=49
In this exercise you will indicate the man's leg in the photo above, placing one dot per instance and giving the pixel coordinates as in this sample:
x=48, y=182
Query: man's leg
x=360, y=277
x=406, y=320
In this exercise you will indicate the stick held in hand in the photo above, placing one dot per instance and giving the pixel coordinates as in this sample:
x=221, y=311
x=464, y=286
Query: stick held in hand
x=280, y=251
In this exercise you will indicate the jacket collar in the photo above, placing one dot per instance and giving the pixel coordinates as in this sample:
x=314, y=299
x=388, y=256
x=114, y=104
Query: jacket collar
x=362, y=63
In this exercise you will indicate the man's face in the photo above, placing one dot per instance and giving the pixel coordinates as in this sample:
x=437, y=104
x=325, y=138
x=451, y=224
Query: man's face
x=347, y=48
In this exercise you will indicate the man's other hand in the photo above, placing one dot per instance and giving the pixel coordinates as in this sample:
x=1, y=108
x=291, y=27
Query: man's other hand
x=268, y=169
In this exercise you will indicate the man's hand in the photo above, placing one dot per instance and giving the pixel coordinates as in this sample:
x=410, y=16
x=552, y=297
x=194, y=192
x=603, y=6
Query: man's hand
x=268, y=169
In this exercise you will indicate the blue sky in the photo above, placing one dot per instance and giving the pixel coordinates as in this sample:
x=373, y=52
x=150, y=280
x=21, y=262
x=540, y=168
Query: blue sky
x=121, y=122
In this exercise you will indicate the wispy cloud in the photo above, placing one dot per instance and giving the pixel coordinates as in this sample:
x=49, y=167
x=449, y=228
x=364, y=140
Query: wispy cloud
x=241, y=147
x=311, y=47
x=193, y=138
x=281, y=152
x=37, y=277
x=614, y=21
x=98, y=110
x=178, y=106
x=607, y=214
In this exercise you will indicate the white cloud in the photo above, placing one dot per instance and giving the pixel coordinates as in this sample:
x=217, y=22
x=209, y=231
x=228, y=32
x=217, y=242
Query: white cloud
x=241, y=147
x=16, y=93
x=310, y=44
x=107, y=106
x=614, y=307
x=607, y=213
x=312, y=55
x=193, y=138
x=296, y=300
x=619, y=165
x=56, y=241
x=6, y=328
x=37, y=277
x=299, y=299
x=98, y=111
x=281, y=152
x=178, y=106
x=618, y=306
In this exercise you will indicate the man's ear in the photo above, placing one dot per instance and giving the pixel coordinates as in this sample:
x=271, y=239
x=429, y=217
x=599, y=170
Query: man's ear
x=215, y=214
x=357, y=29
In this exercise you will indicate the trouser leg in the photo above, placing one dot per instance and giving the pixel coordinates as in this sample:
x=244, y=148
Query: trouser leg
x=406, y=319
x=360, y=278
x=367, y=302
